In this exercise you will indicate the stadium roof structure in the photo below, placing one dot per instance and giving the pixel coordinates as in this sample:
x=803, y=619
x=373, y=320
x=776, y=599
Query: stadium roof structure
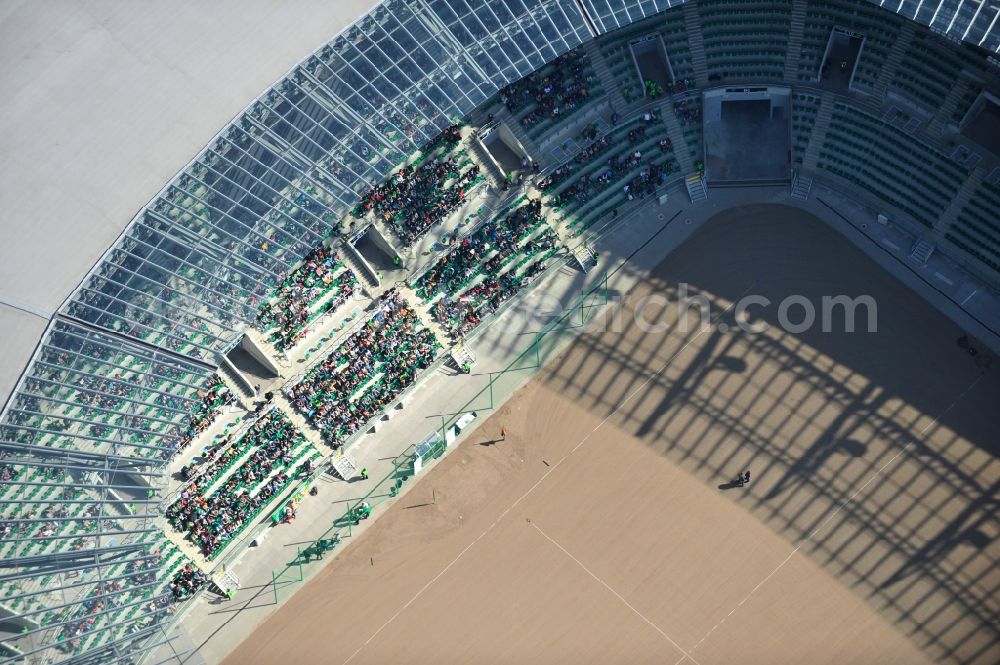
x=105, y=103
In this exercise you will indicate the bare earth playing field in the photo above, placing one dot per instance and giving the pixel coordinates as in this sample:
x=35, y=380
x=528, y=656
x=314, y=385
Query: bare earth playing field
x=604, y=529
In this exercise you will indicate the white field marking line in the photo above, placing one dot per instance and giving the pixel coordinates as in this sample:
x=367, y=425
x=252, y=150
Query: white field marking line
x=745, y=598
x=849, y=499
x=552, y=468
x=615, y=593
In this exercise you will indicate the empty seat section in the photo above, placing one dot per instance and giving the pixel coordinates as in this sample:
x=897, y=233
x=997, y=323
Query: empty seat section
x=890, y=164
x=977, y=229
x=746, y=40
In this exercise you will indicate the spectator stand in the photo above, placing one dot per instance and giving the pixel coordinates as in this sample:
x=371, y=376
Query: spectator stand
x=176, y=580
x=220, y=566
x=124, y=602
x=241, y=482
x=318, y=287
x=424, y=192
x=87, y=390
x=488, y=267
x=217, y=414
x=483, y=215
x=339, y=339
x=356, y=384
x=207, y=452
x=549, y=97
x=602, y=176
x=131, y=615
x=30, y=526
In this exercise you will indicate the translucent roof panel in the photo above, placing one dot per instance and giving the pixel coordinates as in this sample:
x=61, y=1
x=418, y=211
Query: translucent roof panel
x=610, y=15
x=971, y=21
x=83, y=442
x=96, y=393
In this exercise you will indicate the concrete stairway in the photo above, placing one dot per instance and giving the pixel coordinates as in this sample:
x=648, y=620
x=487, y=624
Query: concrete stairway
x=260, y=340
x=801, y=186
x=818, y=136
x=236, y=384
x=366, y=277
x=922, y=251
x=962, y=196
x=942, y=117
x=796, y=28
x=891, y=64
x=697, y=190
x=677, y=138
x=612, y=88
x=692, y=23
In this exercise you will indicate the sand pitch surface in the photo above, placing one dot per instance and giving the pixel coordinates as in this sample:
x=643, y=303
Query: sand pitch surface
x=604, y=529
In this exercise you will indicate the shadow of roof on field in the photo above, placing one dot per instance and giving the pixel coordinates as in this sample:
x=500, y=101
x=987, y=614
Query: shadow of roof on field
x=875, y=455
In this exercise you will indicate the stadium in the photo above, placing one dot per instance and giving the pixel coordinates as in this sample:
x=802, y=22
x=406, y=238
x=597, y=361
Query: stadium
x=521, y=331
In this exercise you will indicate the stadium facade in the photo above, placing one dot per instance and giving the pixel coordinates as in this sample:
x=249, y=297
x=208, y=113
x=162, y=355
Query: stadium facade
x=92, y=421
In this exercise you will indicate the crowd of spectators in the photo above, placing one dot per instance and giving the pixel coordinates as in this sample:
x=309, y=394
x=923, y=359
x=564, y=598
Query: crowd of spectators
x=651, y=176
x=187, y=582
x=213, y=397
x=391, y=349
x=287, y=315
x=460, y=315
x=101, y=392
x=617, y=167
x=588, y=185
x=97, y=610
x=503, y=236
x=415, y=199
x=644, y=184
x=162, y=392
x=8, y=472
x=557, y=90
x=688, y=111
x=420, y=195
x=212, y=520
x=136, y=582
x=589, y=154
x=449, y=138
x=49, y=526
x=681, y=85
x=8, y=526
